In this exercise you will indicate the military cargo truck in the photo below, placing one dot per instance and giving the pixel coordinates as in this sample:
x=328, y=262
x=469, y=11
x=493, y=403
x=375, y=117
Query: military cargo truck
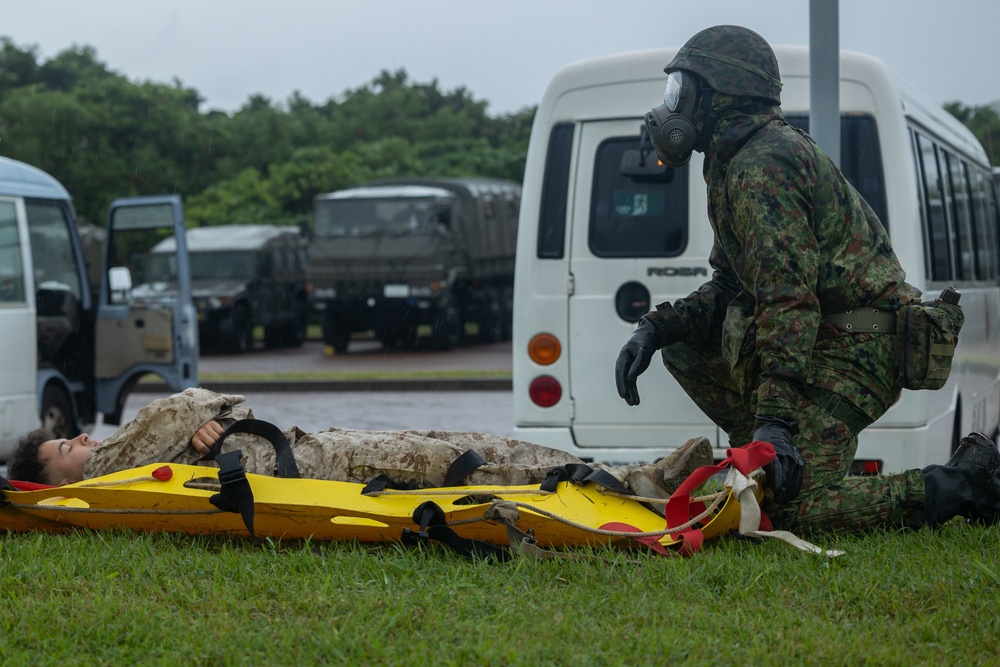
x=242, y=276
x=415, y=260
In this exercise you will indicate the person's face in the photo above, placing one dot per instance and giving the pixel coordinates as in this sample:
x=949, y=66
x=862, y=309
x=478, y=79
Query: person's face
x=63, y=460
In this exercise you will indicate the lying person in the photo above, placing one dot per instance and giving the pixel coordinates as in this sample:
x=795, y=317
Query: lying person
x=184, y=427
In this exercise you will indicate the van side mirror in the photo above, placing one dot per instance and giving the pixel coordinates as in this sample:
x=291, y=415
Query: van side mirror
x=119, y=285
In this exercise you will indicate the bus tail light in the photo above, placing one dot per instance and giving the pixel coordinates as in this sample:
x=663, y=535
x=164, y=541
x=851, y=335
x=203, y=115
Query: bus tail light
x=544, y=349
x=545, y=391
x=866, y=467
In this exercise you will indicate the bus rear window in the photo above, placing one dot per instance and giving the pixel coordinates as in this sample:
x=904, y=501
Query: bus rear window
x=634, y=216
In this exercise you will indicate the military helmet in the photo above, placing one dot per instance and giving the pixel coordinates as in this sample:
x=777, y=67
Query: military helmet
x=732, y=60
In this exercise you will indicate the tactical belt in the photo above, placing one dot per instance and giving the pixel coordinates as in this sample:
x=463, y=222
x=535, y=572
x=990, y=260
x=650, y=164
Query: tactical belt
x=839, y=407
x=864, y=320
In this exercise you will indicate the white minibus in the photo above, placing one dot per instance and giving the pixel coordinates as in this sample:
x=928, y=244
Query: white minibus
x=598, y=248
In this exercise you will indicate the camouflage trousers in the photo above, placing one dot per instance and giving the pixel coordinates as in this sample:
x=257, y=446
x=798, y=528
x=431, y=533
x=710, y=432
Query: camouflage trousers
x=829, y=499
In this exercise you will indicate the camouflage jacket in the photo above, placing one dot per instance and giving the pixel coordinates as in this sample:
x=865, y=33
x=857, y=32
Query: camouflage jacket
x=793, y=240
x=161, y=432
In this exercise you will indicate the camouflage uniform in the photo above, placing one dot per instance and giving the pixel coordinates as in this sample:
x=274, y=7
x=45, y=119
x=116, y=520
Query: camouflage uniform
x=793, y=241
x=161, y=432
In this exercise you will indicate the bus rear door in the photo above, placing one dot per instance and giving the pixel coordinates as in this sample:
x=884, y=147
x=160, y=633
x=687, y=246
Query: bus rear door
x=631, y=247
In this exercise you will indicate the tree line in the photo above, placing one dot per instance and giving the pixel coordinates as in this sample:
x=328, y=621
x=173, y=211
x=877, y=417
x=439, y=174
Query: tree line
x=104, y=136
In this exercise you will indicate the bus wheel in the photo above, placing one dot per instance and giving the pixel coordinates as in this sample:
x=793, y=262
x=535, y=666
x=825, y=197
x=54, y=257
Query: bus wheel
x=57, y=413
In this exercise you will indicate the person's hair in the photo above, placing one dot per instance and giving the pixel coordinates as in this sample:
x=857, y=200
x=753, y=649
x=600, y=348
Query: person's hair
x=25, y=465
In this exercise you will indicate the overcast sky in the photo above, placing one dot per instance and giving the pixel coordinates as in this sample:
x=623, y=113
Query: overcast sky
x=503, y=52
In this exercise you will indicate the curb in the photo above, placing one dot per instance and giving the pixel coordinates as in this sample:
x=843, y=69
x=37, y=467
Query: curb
x=422, y=384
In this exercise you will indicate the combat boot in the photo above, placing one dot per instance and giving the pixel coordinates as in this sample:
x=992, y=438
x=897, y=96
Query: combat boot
x=661, y=479
x=968, y=485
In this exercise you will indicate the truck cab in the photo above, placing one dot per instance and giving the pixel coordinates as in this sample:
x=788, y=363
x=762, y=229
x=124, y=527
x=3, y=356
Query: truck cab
x=415, y=259
x=243, y=276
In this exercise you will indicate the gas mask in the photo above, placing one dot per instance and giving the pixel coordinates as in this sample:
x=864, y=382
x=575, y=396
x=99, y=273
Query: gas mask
x=672, y=126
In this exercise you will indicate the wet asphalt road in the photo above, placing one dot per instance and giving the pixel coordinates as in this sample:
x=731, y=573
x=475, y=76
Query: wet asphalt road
x=488, y=411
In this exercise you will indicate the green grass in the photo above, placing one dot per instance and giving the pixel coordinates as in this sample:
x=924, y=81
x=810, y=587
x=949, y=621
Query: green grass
x=122, y=598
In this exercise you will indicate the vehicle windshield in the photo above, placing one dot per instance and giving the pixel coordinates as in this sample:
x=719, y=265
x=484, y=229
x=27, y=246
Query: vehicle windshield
x=364, y=217
x=222, y=265
x=225, y=265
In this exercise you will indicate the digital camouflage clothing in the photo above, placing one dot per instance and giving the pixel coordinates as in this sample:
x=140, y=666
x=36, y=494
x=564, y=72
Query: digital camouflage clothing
x=161, y=432
x=794, y=241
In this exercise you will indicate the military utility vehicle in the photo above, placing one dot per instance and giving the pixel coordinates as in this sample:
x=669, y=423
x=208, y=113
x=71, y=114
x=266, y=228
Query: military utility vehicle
x=244, y=276
x=415, y=260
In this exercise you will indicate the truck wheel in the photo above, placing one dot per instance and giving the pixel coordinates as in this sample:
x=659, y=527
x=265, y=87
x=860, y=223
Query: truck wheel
x=289, y=334
x=336, y=334
x=491, y=325
x=241, y=330
x=57, y=413
x=447, y=330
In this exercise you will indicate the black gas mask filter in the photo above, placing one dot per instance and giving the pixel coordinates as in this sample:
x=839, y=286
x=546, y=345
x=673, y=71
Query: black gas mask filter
x=671, y=125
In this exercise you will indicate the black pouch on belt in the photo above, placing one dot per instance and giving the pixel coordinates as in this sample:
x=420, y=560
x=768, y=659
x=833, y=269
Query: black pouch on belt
x=928, y=336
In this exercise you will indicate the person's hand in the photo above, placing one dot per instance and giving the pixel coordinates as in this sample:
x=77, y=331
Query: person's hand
x=784, y=473
x=205, y=437
x=634, y=358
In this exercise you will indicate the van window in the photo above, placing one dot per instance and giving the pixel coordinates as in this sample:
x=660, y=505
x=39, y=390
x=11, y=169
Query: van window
x=986, y=245
x=52, y=247
x=961, y=217
x=938, y=242
x=555, y=189
x=636, y=216
x=11, y=270
x=860, y=158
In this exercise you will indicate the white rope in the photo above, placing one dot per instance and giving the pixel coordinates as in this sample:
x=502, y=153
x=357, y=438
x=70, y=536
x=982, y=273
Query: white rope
x=745, y=490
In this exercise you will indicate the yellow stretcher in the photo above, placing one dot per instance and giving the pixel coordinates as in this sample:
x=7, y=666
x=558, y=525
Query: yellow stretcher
x=179, y=498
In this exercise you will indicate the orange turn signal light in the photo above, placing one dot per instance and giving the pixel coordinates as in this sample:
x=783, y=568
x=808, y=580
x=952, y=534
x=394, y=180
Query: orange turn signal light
x=544, y=349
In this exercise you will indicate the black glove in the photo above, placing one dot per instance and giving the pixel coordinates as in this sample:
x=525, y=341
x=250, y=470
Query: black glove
x=634, y=359
x=784, y=473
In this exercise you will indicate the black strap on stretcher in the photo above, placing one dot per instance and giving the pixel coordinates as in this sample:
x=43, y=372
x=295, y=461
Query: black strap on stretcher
x=434, y=526
x=285, y=465
x=235, y=494
x=581, y=473
x=460, y=468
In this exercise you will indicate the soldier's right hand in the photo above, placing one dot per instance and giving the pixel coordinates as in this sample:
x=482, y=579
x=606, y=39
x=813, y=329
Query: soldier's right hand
x=634, y=359
x=206, y=436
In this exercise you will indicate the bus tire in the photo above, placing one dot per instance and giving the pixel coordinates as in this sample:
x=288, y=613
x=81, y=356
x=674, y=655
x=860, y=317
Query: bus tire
x=57, y=413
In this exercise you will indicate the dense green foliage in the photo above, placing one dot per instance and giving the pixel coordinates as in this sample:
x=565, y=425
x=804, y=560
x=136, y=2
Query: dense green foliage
x=113, y=598
x=103, y=137
x=984, y=121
